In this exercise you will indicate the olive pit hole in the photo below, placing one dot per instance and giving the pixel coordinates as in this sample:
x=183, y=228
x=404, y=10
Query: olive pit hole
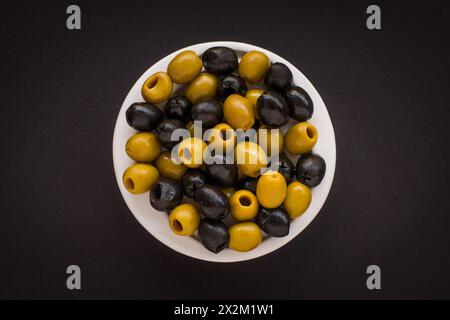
x=152, y=83
x=310, y=132
x=129, y=183
x=245, y=201
x=177, y=226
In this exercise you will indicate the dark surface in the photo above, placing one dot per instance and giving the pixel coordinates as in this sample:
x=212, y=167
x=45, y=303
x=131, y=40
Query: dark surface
x=387, y=94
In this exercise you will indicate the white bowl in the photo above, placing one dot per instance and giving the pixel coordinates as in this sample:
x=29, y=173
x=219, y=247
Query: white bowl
x=156, y=222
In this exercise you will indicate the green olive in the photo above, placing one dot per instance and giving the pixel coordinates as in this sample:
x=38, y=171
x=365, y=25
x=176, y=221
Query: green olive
x=301, y=138
x=222, y=137
x=157, y=88
x=140, y=177
x=253, y=66
x=244, y=205
x=202, y=87
x=298, y=199
x=169, y=169
x=244, y=236
x=269, y=139
x=250, y=158
x=185, y=67
x=143, y=147
x=190, y=152
x=252, y=96
x=238, y=112
x=271, y=189
x=184, y=219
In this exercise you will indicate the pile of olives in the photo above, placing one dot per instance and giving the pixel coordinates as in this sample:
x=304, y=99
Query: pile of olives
x=224, y=203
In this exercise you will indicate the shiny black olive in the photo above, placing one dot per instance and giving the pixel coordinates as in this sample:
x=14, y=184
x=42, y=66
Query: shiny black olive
x=165, y=194
x=274, y=222
x=220, y=60
x=300, y=104
x=279, y=77
x=248, y=184
x=223, y=172
x=178, y=107
x=213, y=235
x=284, y=166
x=164, y=132
x=209, y=111
x=229, y=85
x=143, y=116
x=272, y=109
x=212, y=201
x=310, y=169
x=192, y=179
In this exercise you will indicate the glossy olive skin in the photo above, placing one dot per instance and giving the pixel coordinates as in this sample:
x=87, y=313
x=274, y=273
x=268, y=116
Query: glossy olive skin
x=178, y=107
x=271, y=189
x=272, y=109
x=212, y=201
x=300, y=105
x=284, y=166
x=274, y=222
x=220, y=60
x=244, y=236
x=139, y=178
x=222, y=173
x=191, y=180
x=202, y=87
x=248, y=184
x=301, y=138
x=184, y=67
x=169, y=169
x=209, y=112
x=298, y=198
x=213, y=235
x=165, y=194
x=191, y=151
x=238, y=112
x=253, y=66
x=164, y=132
x=310, y=169
x=250, y=158
x=157, y=88
x=229, y=85
x=143, y=147
x=143, y=116
x=279, y=77
x=184, y=219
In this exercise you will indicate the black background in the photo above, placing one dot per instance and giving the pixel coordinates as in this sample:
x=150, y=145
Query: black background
x=387, y=94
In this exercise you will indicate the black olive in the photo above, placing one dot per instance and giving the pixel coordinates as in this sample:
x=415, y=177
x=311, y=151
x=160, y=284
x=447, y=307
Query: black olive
x=272, y=109
x=143, y=116
x=213, y=235
x=284, y=166
x=212, y=201
x=209, y=112
x=300, y=104
x=223, y=172
x=192, y=179
x=165, y=194
x=310, y=169
x=248, y=184
x=274, y=222
x=220, y=60
x=229, y=85
x=178, y=107
x=279, y=77
x=164, y=132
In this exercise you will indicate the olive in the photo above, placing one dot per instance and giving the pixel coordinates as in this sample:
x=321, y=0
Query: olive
x=213, y=235
x=244, y=205
x=298, y=199
x=190, y=152
x=143, y=116
x=238, y=112
x=244, y=236
x=271, y=189
x=168, y=168
x=142, y=147
x=212, y=201
x=229, y=85
x=165, y=194
x=208, y=111
x=310, y=169
x=275, y=222
x=184, y=67
x=164, y=132
x=249, y=184
x=222, y=172
x=222, y=136
x=184, y=219
x=301, y=138
x=271, y=140
x=272, y=109
x=178, y=107
x=220, y=60
x=299, y=102
x=140, y=177
x=284, y=166
x=279, y=77
x=157, y=88
x=252, y=96
x=202, y=87
x=253, y=66
x=250, y=158
x=191, y=180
